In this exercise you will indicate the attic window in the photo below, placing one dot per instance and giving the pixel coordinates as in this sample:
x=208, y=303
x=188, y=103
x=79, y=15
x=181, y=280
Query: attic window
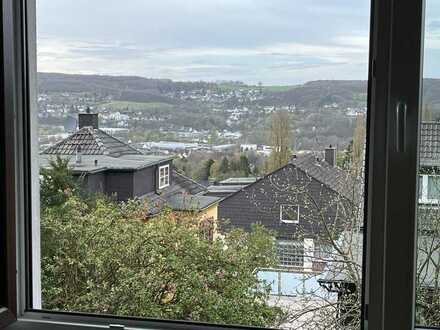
x=289, y=213
x=164, y=176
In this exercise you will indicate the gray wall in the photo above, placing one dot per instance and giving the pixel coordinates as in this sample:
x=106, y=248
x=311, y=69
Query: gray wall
x=120, y=183
x=144, y=181
x=96, y=183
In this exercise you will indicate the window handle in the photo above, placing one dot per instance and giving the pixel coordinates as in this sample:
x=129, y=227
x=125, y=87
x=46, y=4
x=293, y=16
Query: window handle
x=401, y=126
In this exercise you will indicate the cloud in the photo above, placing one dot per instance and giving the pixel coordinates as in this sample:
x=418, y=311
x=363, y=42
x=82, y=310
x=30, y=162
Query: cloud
x=277, y=41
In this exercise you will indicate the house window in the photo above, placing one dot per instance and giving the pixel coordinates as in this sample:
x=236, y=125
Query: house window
x=289, y=213
x=291, y=253
x=164, y=176
x=434, y=187
x=429, y=189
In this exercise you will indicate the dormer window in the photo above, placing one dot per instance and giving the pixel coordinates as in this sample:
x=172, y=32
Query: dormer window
x=164, y=176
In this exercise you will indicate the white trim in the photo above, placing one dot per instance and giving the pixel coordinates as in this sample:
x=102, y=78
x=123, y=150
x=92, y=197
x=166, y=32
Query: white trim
x=165, y=176
x=289, y=220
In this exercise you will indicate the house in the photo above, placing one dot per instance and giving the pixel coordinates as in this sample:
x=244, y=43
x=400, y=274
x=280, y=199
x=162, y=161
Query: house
x=301, y=202
x=109, y=166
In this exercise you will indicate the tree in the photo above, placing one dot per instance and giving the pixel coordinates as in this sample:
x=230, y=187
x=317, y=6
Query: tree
x=205, y=171
x=358, y=146
x=224, y=166
x=57, y=183
x=244, y=166
x=333, y=220
x=213, y=136
x=427, y=113
x=280, y=140
x=109, y=258
x=345, y=159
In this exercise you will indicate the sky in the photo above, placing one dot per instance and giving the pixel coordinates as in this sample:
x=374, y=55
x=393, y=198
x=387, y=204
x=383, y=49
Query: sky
x=276, y=42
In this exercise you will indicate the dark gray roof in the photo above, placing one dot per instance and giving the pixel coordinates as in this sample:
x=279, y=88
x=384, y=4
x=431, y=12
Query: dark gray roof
x=187, y=184
x=123, y=163
x=224, y=189
x=92, y=142
x=430, y=144
x=184, y=194
x=333, y=177
x=186, y=202
x=238, y=181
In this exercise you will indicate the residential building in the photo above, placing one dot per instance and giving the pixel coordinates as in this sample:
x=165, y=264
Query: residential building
x=299, y=202
x=109, y=166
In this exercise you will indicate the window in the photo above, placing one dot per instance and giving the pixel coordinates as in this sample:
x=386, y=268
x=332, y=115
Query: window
x=434, y=188
x=291, y=254
x=164, y=176
x=429, y=189
x=210, y=102
x=289, y=213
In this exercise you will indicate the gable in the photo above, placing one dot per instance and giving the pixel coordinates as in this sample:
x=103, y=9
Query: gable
x=261, y=202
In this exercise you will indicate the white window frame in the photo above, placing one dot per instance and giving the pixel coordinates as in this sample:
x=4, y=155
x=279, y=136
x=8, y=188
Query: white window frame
x=165, y=176
x=289, y=220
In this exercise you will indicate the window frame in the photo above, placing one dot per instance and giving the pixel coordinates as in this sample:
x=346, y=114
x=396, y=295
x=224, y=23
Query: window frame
x=383, y=306
x=286, y=220
x=166, y=177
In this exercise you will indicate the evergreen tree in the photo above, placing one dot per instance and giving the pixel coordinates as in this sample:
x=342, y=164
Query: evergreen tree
x=224, y=165
x=244, y=166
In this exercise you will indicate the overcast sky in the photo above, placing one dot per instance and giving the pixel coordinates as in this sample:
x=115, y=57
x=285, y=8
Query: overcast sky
x=272, y=41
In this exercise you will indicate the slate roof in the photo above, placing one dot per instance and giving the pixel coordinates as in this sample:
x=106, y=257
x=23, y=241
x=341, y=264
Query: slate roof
x=104, y=162
x=429, y=152
x=92, y=142
x=333, y=177
x=100, y=152
x=183, y=195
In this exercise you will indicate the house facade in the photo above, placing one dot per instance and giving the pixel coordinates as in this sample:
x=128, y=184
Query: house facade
x=303, y=203
x=107, y=165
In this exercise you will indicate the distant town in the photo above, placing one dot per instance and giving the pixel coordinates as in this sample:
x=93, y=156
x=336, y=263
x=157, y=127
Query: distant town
x=163, y=117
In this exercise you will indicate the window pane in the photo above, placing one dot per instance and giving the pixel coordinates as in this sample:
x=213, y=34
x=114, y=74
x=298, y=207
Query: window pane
x=203, y=160
x=433, y=188
x=428, y=252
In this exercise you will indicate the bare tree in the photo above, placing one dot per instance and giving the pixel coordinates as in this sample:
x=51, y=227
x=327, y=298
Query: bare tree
x=280, y=140
x=334, y=221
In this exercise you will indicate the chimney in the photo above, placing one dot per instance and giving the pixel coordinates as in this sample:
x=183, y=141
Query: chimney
x=88, y=119
x=330, y=156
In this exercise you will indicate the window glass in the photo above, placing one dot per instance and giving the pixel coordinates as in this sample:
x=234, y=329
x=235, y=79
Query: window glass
x=427, y=304
x=433, y=187
x=202, y=160
x=289, y=213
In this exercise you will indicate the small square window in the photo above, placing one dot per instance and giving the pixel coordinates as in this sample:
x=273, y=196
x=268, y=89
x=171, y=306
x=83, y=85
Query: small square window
x=289, y=213
x=164, y=176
